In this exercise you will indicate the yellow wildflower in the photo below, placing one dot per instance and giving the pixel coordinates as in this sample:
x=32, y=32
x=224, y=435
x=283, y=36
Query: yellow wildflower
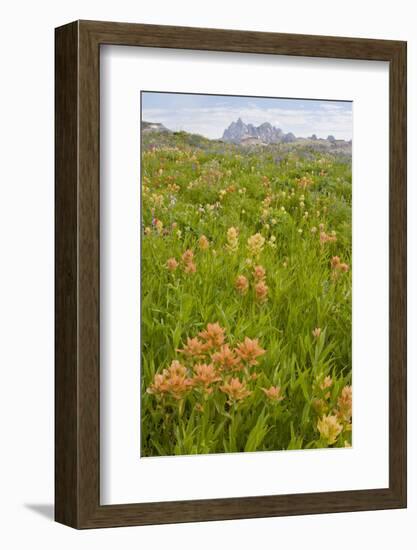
x=329, y=428
x=159, y=227
x=256, y=244
x=232, y=239
x=203, y=242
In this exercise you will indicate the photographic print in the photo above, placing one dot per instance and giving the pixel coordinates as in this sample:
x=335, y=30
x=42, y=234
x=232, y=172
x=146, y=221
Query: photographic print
x=246, y=285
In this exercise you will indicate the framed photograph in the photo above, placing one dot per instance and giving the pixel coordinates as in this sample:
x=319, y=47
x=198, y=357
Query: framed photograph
x=230, y=274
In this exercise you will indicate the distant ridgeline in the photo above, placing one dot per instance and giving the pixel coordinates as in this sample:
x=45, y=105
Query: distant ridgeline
x=247, y=135
x=153, y=127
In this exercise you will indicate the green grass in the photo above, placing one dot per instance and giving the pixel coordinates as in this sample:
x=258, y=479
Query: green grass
x=183, y=198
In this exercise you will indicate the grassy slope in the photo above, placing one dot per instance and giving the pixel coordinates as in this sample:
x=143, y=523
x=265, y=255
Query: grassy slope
x=303, y=294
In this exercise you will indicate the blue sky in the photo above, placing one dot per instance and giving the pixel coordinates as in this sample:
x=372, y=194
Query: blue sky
x=209, y=115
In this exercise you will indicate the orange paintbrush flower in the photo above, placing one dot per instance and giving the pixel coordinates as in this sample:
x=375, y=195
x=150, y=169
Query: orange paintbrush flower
x=172, y=264
x=173, y=381
x=188, y=263
x=273, y=393
x=344, y=404
x=190, y=267
x=325, y=385
x=193, y=348
x=176, y=380
x=338, y=266
x=188, y=256
x=241, y=284
x=261, y=291
x=259, y=273
x=335, y=261
x=158, y=385
x=226, y=358
x=213, y=336
x=205, y=375
x=326, y=238
x=249, y=350
x=235, y=389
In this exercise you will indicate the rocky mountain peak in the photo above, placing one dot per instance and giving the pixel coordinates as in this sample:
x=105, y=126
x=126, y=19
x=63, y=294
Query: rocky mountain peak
x=265, y=133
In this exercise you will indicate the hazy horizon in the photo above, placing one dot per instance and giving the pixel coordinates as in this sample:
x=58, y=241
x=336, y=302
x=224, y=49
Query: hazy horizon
x=210, y=115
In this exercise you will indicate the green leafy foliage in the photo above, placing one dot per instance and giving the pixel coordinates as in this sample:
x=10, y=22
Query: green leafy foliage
x=299, y=201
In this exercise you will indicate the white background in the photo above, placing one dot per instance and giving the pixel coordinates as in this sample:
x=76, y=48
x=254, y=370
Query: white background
x=124, y=477
x=26, y=289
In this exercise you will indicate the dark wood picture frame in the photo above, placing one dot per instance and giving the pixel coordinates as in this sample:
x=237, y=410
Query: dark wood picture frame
x=77, y=374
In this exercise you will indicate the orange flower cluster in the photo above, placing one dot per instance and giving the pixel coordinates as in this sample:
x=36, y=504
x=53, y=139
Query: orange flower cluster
x=260, y=286
x=212, y=336
x=193, y=348
x=273, y=393
x=261, y=292
x=204, y=376
x=210, y=363
x=173, y=381
x=241, y=284
x=344, y=405
x=172, y=264
x=226, y=359
x=187, y=263
x=235, y=389
x=249, y=351
x=259, y=273
x=338, y=267
x=326, y=238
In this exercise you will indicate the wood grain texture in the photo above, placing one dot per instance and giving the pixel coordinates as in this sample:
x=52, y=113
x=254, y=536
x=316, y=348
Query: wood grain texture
x=78, y=284
x=66, y=237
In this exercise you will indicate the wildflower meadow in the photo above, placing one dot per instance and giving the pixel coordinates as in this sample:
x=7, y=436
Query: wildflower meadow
x=246, y=297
